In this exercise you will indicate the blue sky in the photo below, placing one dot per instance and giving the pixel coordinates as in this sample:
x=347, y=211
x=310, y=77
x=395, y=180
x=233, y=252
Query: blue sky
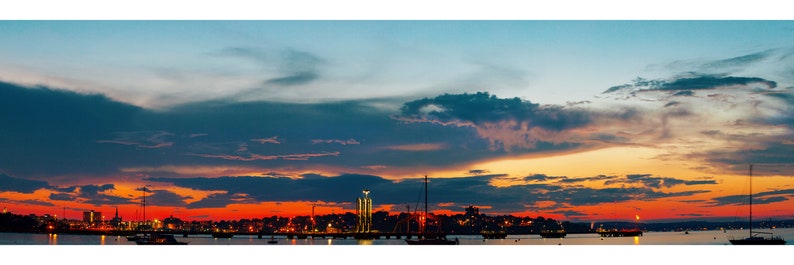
x=161, y=63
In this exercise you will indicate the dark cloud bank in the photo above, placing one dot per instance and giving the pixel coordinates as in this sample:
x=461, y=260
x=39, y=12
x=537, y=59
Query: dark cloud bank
x=49, y=132
x=453, y=193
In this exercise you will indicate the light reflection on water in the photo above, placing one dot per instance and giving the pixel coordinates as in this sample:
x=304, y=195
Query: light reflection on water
x=710, y=237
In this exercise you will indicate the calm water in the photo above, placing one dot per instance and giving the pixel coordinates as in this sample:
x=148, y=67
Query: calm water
x=712, y=237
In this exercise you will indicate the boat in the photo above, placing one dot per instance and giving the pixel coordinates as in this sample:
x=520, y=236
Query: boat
x=159, y=239
x=493, y=234
x=553, y=233
x=756, y=238
x=272, y=240
x=619, y=233
x=135, y=237
x=623, y=232
x=426, y=238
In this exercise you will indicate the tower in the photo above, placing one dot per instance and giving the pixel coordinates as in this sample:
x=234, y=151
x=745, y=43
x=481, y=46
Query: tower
x=116, y=221
x=364, y=213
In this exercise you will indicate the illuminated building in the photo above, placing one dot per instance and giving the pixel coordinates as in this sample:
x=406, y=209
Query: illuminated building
x=92, y=218
x=364, y=213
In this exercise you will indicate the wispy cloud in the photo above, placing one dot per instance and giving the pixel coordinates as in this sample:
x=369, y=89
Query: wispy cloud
x=335, y=141
x=291, y=67
x=684, y=86
x=648, y=180
x=272, y=140
x=254, y=157
x=417, y=147
x=141, y=139
x=758, y=198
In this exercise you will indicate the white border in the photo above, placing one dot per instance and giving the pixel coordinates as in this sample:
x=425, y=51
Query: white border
x=395, y=10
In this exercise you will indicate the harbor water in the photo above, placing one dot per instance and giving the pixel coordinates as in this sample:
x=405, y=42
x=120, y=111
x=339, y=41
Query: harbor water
x=656, y=247
x=708, y=237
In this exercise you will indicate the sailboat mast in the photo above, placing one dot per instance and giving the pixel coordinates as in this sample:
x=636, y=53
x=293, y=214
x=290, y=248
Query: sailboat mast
x=144, y=204
x=425, y=229
x=751, y=200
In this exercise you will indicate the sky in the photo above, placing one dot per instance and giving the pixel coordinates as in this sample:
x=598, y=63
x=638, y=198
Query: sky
x=569, y=119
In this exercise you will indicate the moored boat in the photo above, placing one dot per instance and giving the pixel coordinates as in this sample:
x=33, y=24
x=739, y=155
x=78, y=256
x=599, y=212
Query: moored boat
x=553, y=233
x=755, y=238
x=493, y=234
x=427, y=238
x=159, y=239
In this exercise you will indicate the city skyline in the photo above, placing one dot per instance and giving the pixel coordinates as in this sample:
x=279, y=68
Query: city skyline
x=571, y=120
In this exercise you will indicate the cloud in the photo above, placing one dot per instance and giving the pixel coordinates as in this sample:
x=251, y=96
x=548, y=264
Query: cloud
x=480, y=108
x=770, y=157
x=36, y=202
x=467, y=190
x=684, y=86
x=543, y=177
x=765, y=197
x=713, y=82
x=60, y=127
x=161, y=197
x=509, y=124
x=739, y=61
x=220, y=133
x=9, y=183
x=62, y=197
x=478, y=171
x=93, y=194
x=299, y=78
x=142, y=139
x=300, y=67
x=431, y=133
x=294, y=67
x=272, y=140
x=335, y=141
x=417, y=147
x=594, y=178
x=221, y=200
x=569, y=213
x=255, y=157
x=648, y=180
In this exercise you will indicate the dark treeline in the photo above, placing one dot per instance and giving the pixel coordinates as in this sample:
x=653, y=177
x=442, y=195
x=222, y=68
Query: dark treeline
x=470, y=223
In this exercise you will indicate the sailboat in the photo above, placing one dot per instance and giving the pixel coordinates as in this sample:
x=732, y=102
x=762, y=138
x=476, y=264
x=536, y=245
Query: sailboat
x=430, y=239
x=152, y=237
x=755, y=237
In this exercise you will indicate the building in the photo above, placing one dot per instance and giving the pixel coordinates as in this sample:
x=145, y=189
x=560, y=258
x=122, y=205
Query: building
x=92, y=219
x=472, y=212
x=172, y=223
x=116, y=221
x=364, y=213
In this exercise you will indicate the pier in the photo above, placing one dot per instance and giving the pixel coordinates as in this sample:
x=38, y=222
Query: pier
x=320, y=235
x=288, y=235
